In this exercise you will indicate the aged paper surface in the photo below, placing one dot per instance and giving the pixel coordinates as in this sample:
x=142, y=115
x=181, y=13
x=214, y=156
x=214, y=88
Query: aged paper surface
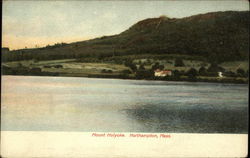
x=125, y=79
x=81, y=144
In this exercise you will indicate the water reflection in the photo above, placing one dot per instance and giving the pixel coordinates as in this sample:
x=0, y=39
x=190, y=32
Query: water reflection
x=195, y=119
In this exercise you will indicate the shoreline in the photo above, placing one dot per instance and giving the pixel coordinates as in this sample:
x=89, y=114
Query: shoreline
x=199, y=80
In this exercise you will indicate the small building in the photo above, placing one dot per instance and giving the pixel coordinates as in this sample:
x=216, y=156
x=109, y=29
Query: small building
x=220, y=74
x=163, y=73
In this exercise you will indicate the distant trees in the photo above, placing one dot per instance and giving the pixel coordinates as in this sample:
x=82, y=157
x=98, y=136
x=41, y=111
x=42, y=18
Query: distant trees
x=144, y=74
x=35, y=71
x=192, y=73
x=229, y=74
x=179, y=62
x=141, y=67
x=215, y=68
x=131, y=65
x=241, y=72
x=157, y=66
x=176, y=73
x=126, y=72
x=202, y=71
x=106, y=71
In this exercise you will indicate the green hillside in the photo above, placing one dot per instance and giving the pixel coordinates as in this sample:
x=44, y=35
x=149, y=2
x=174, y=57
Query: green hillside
x=217, y=37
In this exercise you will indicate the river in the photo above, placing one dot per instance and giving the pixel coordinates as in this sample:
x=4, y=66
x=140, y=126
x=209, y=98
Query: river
x=32, y=103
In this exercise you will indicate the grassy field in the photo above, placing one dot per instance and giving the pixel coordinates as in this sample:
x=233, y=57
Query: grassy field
x=70, y=67
x=109, y=69
x=86, y=68
x=233, y=66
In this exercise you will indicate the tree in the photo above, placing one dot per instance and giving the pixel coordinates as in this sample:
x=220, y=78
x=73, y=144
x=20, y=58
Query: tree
x=179, y=62
x=229, y=74
x=131, y=65
x=215, y=68
x=141, y=67
x=148, y=61
x=202, y=71
x=144, y=74
x=176, y=73
x=157, y=66
x=241, y=72
x=126, y=72
x=161, y=67
x=192, y=73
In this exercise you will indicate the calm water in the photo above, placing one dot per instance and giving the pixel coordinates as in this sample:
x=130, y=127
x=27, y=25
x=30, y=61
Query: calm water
x=113, y=105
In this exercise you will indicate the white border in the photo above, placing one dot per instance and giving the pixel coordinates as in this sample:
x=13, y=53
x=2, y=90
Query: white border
x=83, y=144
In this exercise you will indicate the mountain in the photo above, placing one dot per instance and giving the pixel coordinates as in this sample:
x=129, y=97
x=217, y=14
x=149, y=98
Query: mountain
x=220, y=36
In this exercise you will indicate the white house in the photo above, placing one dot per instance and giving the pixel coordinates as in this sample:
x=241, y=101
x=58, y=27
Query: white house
x=163, y=73
x=220, y=74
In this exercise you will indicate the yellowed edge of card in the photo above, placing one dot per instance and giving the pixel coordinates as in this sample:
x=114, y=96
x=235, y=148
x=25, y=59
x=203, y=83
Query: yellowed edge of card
x=84, y=144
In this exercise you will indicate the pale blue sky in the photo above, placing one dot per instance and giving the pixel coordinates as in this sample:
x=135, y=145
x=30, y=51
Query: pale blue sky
x=30, y=23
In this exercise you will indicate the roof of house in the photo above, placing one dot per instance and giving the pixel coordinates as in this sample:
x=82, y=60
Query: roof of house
x=162, y=71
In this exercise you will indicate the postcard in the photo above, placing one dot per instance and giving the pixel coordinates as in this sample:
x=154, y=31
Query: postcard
x=125, y=78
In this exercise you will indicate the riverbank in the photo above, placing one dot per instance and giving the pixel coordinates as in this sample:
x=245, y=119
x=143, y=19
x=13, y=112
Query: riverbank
x=235, y=80
x=74, y=68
